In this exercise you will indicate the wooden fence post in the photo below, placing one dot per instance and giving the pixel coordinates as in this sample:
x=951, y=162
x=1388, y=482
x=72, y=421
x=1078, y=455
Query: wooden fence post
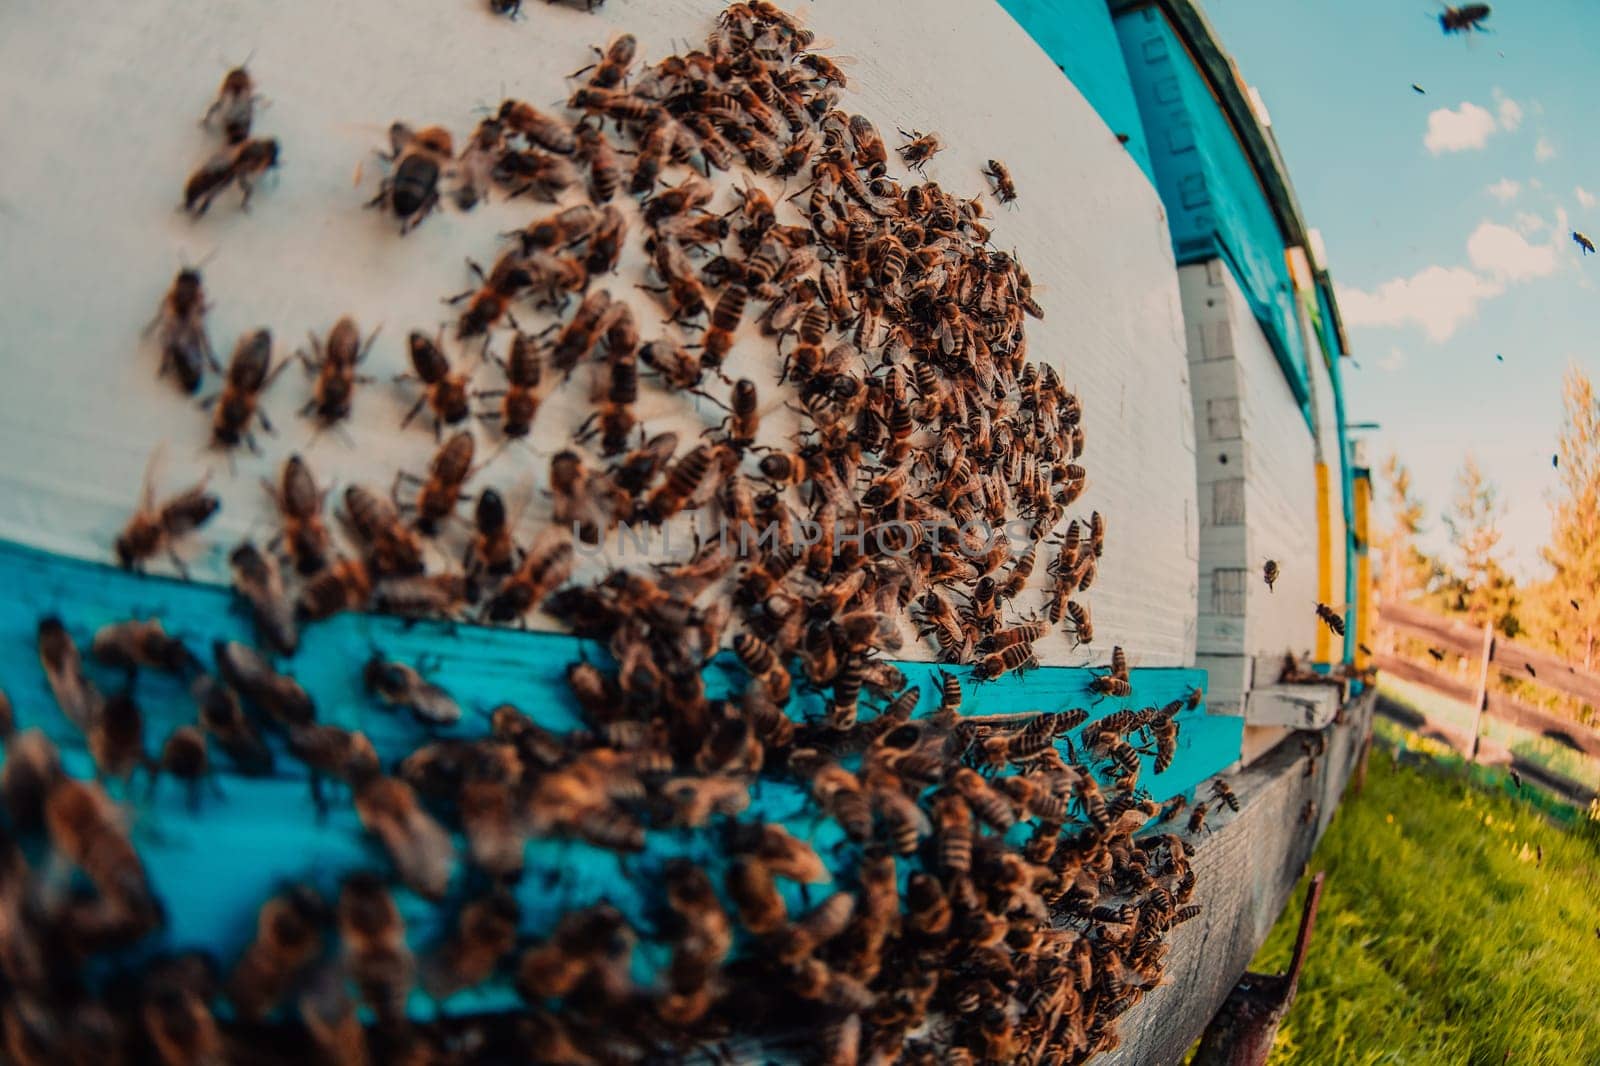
x=1483, y=686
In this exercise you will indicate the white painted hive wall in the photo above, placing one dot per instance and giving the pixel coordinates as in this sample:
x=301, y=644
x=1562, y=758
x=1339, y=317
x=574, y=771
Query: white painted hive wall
x=103, y=131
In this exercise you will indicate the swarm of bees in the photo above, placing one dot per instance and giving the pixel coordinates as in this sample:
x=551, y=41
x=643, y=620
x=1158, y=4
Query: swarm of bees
x=900, y=331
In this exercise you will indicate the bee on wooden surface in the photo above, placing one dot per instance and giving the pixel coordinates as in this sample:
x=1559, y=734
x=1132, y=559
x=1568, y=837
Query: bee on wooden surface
x=181, y=332
x=606, y=243
x=116, y=739
x=224, y=720
x=492, y=550
x=1224, y=795
x=485, y=934
x=376, y=957
x=605, y=167
x=258, y=581
x=329, y=751
x=1197, y=818
x=685, y=479
x=478, y=162
x=1006, y=638
x=1269, y=573
x=334, y=364
x=444, y=392
x=520, y=399
x=141, y=643
x=162, y=527
x=247, y=672
x=420, y=158
x=398, y=685
x=1018, y=658
x=1332, y=619
x=548, y=563
x=919, y=148
x=249, y=372
x=1115, y=683
x=685, y=294
x=582, y=332
x=235, y=105
x=611, y=69
x=615, y=420
x=289, y=938
x=1005, y=189
x=764, y=665
x=548, y=132
x=637, y=470
x=374, y=522
x=242, y=163
x=185, y=757
x=1082, y=622
x=299, y=502
x=491, y=301
x=438, y=494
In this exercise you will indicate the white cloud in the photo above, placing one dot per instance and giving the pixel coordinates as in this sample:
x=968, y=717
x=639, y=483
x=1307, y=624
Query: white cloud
x=1439, y=299
x=1465, y=128
x=1506, y=255
x=1545, y=150
x=1586, y=198
x=1393, y=361
x=1505, y=190
x=1509, y=110
x=1530, y=223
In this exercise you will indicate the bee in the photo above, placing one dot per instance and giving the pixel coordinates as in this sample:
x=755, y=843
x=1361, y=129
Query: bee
x=398, y=685
x=299, y=503
x=175, y=1011
x=420, y=158
x=605, y=244
x=1197, y=818
x=1005, y=189
x=116, y=739
x=478, y=162
x=259, y=583
x=491, y=301
x=334, y=364
x=438, y=494
x=520, y=399
x=249, y=373
x=684, y=479
x=1082, y=622
x=1224, y=795
x=344, y=586
x=181, y=332
x=391, y=548
x=612, y=68
x=445, y=392
x=489, y=816
x=247, y=672
x=1115, y=683
x=492, y=549
x=222, y=717
x=838, y=792
x=953, y=822
x=919, y=148
x=141, y=643
x=327, y=750
x=1006, y=638
x=725, y=317
x=581, y=333
x=684, y=292
x=184, y=756
x=485, y=933
x=547, y=564
x=635, y=472
x=289, y=938
x=1463, y=19
x=614, y=422
x=236, y=102
x=1269, y=574
x=764, y=665
x=74, y=693
x=373, y=936
x=1018, y=657
x=1332, y=619
x=756, y=897
x=156, y=527
x=242, y=163
x=605, y=169
x=548, y=132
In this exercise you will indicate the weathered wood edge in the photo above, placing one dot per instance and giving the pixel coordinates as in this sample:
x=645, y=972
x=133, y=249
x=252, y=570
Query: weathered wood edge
x=1246, y=871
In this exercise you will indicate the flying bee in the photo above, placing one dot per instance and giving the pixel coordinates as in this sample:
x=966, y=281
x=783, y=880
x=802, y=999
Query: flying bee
x=1005, y=189
x=258, y=581
x=299, y=502
x=154, y=528
x=1224, y=795
x=548, y=563
x=391, y=547
x=1463, y=19
x=289, y=938
x=398, y=685
x=247, y=672
x=181, y=332
x=444, y=392
x=420, y=159
x=1269, y=573
x=438, y=494
x=141, y=643
x=520, y=399
x=235, y=104
x=919, y=148
x=1331, y=618
x=334, y=364
x=242, y=163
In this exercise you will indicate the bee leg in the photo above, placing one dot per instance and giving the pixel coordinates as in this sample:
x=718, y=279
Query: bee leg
x=177, y=561
x=416, y=409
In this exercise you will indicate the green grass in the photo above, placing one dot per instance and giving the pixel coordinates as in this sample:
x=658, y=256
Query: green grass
x=1443, y=937
x=1540, y=750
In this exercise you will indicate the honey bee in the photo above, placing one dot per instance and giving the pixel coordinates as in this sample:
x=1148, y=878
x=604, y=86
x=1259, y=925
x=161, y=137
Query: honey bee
x=1005, y=189
x=175, y=1013
x=478, y=162
x=222, y=718
x=547, y=564
x=445, y=392
x=685, y=479
x=491, y=301
x=391, y=548
x=614, y=422
x=181, y=333
x=420, y=159
x=141, y=643
x=1331, y=618
x=237, y=405
x=605, y=169
x=299, y=503
x=548, y=132
x=1115, y=683
x=116, y=739
x=242, y=163
x=419, y=847
x=1006, y=638
x=605, y=244
x=438, y=494
x=154, y=527
x=1269, y=574
x=329, y=751
x=1224, y=795
x=763, y=663
x=376, y=957
x=520, y=399
x=334, y=364
x=635, y=472
x=680, y=284
x=919, y=148
x=1082, y=623
x=492, y=549
x=288, y=940
x=1018, y=657
x=1197, y=818
x=756, y=897
x=74, y=693
x=246, y=671
x=259, y=583
x=185, y=757
x=485, y=934
x=235, y=102
x=838, y=792
x=398, y=685
x=581, y=333
x=344, y=586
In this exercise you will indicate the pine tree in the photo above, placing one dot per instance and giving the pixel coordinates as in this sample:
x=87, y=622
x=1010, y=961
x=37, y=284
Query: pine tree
x=1482, y=587
x=1574, y=548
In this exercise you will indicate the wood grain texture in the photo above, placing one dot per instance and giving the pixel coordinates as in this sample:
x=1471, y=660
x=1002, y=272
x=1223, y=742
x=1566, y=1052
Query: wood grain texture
x=1246, y=871
x=1509, y=657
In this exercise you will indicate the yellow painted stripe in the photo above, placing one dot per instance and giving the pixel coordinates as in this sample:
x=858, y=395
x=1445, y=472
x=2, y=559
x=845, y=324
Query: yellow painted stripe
x=1324, y=563
x=1363, y=504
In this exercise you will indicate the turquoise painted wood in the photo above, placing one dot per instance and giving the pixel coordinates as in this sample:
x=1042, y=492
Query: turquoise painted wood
x=214, y=868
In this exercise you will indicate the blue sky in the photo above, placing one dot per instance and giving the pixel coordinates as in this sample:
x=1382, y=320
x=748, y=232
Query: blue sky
x=1447, y=220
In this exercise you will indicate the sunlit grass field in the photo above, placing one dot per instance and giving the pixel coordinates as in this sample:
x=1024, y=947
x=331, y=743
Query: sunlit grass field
x=1460, y=923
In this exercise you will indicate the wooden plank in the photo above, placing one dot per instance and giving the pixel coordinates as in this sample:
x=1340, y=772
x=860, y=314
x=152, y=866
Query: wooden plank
x=1300, y=706
x=1510, y=657
x=1442, y=633
x=1573, y=734
x=1245, y=873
